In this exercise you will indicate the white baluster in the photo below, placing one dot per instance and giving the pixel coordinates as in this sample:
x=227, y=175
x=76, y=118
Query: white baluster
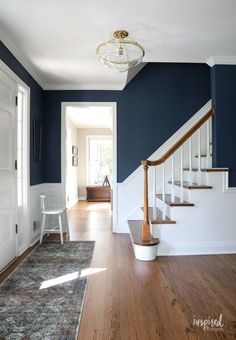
x=163, y=191
x=190, y=160
x=199, y=155
x=154, y=194
x=181, y=174
x=208, y=144
x=172, y=177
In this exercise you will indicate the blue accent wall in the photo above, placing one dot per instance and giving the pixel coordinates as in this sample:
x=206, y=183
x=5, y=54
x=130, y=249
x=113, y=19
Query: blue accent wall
x=223, y=85
x=156, y=103
x=36, y=108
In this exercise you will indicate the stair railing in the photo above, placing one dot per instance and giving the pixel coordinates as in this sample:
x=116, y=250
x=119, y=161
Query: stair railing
x=171, y=153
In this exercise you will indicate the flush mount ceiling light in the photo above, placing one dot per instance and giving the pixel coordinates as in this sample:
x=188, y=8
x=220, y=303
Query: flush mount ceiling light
x=120, y=54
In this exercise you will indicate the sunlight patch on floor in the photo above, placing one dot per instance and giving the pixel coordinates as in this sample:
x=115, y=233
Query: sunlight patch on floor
x=70, y=277
x=58, y=280
x=90, y=271
x=98, y=206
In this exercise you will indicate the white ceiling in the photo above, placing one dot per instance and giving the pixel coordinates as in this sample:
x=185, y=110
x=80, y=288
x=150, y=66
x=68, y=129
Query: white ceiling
x=90, y=116
x=57, y=39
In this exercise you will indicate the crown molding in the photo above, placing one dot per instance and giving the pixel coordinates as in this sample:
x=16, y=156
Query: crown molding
x=81, y=87
x=221, y=60
x=19, y=56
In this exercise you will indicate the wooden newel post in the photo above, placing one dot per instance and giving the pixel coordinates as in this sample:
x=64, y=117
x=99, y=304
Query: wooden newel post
x=146, y=226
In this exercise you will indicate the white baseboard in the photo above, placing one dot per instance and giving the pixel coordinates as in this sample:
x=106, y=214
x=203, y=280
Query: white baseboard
x=73, y=203
x=209, y=248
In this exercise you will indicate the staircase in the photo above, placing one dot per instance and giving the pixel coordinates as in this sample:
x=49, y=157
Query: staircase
x=182, y=179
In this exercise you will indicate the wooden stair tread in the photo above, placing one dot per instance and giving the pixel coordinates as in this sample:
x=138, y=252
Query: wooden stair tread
x=176, y=203
x=135, y=227
x=187, y=185
x=159, y=217
x=208, y=169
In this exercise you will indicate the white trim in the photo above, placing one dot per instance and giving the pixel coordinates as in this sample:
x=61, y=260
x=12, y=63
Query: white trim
x=19, y=56
x=113, y=105
x=26, y=147
x=226, y=188
x=221, y=60
x=173, y=139
x=73, y=203
x=91, y=87
x=82, y=198
x=201, y=248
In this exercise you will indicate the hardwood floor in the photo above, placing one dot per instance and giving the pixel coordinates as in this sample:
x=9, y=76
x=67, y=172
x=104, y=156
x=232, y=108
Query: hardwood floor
x=128, y=299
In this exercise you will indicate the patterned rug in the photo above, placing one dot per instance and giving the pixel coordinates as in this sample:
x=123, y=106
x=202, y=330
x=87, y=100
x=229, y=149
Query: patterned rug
x=43, y=298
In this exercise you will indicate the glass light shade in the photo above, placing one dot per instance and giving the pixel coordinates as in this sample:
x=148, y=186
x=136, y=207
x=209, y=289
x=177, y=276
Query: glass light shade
x=120, y=54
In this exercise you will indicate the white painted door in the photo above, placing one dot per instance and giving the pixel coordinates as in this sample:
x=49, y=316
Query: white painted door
x=8, y=194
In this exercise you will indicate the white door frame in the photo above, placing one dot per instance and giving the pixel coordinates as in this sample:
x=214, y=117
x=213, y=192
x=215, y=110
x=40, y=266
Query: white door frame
x=25, y=237
x=113, y=106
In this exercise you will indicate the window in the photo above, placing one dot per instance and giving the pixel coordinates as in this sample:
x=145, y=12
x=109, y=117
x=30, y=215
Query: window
x=99, y=159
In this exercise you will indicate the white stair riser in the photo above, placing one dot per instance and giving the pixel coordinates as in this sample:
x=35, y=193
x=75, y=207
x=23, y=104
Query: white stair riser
x=215, y=179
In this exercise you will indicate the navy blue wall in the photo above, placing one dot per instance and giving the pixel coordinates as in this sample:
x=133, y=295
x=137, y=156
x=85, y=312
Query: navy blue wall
x=157, y=102
x=223, y=84
x=36, y=107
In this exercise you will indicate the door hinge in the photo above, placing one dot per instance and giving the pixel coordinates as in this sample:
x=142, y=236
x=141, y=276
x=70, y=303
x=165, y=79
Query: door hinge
x=16, y=228
x=16, y=100
x=15, y=164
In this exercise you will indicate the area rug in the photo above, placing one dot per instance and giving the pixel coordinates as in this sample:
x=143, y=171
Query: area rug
x=43, y=297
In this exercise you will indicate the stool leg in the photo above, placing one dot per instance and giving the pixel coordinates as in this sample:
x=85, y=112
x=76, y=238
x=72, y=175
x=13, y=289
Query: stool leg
x=60, y=227
x=42, y=227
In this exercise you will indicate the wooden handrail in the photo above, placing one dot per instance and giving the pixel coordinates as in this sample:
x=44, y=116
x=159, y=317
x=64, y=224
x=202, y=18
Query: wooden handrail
x=146, y=235
x=181, y=141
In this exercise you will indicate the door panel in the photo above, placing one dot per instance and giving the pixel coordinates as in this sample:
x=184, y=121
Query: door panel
x=5, y=140
x=8, y=202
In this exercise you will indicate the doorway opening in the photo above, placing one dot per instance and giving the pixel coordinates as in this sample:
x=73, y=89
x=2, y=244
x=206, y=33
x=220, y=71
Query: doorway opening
x=89, y=155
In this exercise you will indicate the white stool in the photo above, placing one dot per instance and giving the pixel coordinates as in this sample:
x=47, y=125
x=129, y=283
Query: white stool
x=61, y=212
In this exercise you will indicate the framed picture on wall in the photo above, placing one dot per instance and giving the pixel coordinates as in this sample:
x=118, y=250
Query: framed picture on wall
x=74, y=161
x=74, y=150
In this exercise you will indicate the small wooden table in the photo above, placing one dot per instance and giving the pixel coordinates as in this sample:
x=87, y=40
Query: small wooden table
x=98, y=193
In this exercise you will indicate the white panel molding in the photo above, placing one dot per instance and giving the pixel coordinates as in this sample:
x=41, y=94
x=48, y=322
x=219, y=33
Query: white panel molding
x=73, y=203
x=20, y=57
x=221, y=60
x=226, y=188
x=54, y=193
